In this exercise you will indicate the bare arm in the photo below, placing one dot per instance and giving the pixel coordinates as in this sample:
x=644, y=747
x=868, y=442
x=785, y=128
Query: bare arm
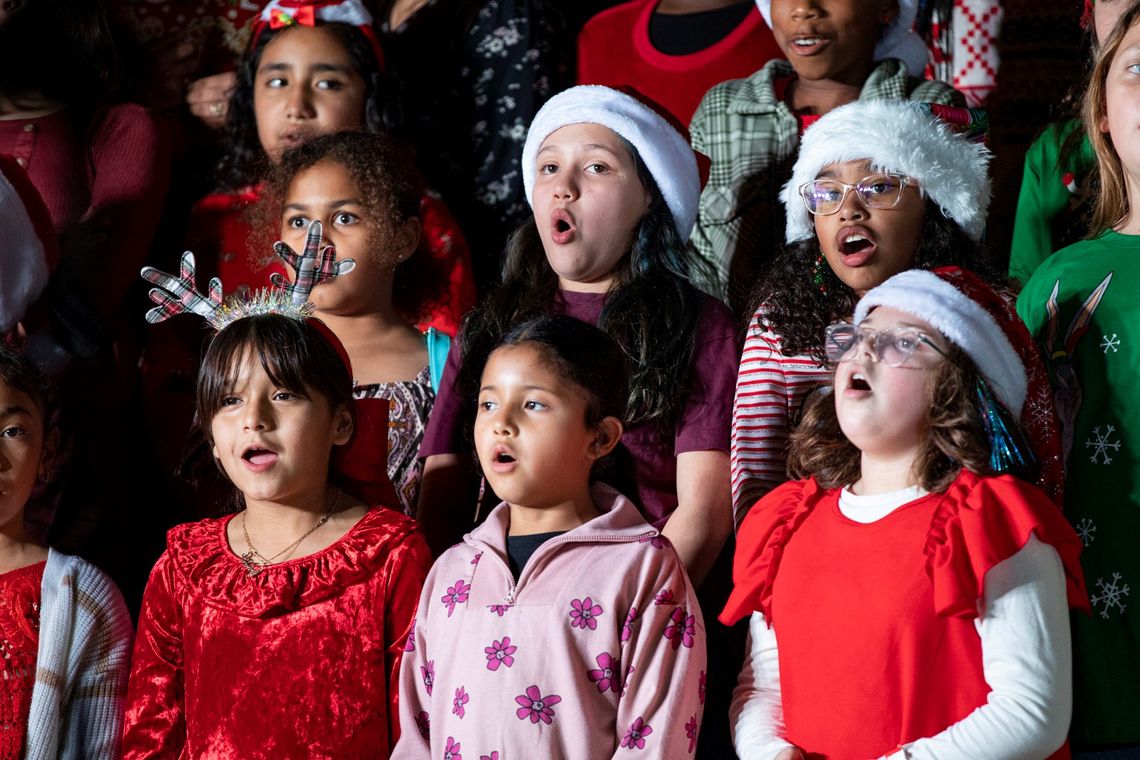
x=703, y=518
x=446, y=508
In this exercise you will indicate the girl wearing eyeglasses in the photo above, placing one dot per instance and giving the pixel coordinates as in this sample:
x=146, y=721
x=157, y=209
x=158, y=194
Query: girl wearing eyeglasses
x=910, y=597
x=878, y=187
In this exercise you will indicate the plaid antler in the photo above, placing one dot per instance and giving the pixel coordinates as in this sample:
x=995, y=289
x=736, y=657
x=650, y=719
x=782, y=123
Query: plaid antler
x=314, y=266
x=177, y=295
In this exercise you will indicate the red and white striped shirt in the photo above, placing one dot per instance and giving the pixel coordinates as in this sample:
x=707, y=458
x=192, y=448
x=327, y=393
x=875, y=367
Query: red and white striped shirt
x=770, y=388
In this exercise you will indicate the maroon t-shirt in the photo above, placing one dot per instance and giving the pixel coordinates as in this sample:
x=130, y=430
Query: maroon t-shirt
x=703, y=424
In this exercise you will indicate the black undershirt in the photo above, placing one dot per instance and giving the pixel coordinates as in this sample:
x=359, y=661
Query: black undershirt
x=685, y=33
x=519, y=549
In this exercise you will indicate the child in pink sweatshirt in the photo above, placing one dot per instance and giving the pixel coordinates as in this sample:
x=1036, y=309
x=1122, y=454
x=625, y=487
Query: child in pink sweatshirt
x=564, y=626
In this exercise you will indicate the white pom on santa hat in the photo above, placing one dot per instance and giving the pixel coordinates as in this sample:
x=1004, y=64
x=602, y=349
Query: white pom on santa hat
x=963, y=321
x=663, y=150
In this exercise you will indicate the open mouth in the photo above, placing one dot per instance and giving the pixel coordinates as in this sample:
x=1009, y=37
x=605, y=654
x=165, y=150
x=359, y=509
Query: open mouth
x=858, y=382
x=259, y=457
x=561, y=226
x=806, y=42
x=855, y=243
x=503, y=457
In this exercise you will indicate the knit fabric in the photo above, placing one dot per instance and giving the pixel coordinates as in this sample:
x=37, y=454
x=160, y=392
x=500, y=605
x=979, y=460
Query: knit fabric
x=81, y=664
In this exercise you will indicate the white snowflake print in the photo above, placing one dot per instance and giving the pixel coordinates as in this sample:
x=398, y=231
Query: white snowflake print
x=1086, y=529
x=1110, y=344
x=1110, y=595
x=1100, y=444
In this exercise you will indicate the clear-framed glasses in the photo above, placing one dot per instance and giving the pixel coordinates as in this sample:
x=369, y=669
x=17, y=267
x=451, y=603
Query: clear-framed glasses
x=824, y=197
x=891, y=346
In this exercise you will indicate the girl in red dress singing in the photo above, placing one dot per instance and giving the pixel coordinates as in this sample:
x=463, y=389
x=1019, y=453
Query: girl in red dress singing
x=908, y=600
x=276, y=632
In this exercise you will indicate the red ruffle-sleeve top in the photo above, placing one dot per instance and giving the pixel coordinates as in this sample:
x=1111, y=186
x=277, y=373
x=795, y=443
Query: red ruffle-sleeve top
x=878, y=646
x=300, y=661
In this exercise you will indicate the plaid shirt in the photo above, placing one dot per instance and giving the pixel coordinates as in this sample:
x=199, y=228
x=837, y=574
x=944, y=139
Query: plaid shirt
x=751, y=138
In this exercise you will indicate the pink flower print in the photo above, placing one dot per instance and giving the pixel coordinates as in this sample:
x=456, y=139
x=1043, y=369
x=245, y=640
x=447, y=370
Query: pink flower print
x=584, y=614
x=451, y=752
x=635, y=738
x=492, y=756
x=664, y=596
x=627, y=626
x=499, y=609
x=701, y=687
x=428, y=674
x=681, y=628
x=499, y=653
x=691, y=732
x=606, y=675
x=461, y=698
x=653, y=540
x=423, y=723
x=410, y=644
x=535, y=706
x=456, y=594
x=478, y=556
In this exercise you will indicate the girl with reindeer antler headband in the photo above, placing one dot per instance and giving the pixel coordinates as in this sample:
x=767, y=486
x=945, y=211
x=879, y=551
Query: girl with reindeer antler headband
x=256, y=615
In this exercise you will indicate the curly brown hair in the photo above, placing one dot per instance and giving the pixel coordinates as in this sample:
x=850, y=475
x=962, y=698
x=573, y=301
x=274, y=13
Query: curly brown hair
x=390, y=189
x=957, y=436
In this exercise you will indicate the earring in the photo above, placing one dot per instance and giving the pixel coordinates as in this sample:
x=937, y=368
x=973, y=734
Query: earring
x=817, y=274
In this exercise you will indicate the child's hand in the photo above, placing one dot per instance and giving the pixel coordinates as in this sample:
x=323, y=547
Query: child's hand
x=209, y=98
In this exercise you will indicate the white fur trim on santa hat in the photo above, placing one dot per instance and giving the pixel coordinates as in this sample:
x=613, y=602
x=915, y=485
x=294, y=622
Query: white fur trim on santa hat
x=666, y=154
x=963, y=321
x=896, y=136
x=345, y=12
x=23, y=258
x=899, y=40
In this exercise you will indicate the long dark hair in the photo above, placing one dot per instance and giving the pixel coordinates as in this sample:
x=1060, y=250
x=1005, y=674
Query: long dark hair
x=244, y=161
x=798, y=311
x=651, y=311
x=596, y=366
x=61, y=50
x=389, y=186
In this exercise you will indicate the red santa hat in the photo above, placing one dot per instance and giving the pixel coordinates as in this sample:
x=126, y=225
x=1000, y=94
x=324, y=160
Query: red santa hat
x=30, y=249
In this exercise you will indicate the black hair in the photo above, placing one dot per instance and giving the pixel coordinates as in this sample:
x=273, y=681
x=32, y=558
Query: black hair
x=798, y=310
x=652, y=308
x=294, y=354
x=19, y=372
x=390, y=187
x=595, y=365
x=244, y=161
x=61, y=50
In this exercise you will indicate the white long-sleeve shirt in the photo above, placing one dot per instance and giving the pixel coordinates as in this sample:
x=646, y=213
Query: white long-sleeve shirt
x=1023, y=624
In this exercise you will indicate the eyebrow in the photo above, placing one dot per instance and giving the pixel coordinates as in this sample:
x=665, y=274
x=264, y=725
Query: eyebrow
x=525, y=387
x=9, y=411
x=331, y=204
x=584, y=147
x=285, y=66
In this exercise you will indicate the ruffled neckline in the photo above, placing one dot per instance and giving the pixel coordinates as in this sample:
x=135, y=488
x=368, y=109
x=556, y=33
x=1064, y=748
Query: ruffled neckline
x=202, y=557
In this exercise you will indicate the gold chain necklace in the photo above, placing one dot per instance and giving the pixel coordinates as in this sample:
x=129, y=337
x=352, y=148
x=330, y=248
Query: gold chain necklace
x=255, y=561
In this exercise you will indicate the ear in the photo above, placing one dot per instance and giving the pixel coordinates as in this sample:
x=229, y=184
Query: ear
x=406, y=239
x=609, y=432
x=1103, y=124
x=342, y=426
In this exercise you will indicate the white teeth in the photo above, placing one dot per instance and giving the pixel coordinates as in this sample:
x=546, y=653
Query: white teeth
x=807, y=41
x=853, y=238
x=858, y=376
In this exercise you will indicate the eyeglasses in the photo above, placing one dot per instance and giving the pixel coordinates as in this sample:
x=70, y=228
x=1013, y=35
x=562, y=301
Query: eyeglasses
x=824, y=197
x=891, y=346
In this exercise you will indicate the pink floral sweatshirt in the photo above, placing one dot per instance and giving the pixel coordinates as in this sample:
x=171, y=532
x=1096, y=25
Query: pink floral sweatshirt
x=598, y=651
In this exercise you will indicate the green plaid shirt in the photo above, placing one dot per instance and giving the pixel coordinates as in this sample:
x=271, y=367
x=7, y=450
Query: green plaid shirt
x=751, y=137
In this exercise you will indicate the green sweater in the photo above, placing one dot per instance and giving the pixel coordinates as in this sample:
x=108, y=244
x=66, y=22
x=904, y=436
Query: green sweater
x=1098, y=300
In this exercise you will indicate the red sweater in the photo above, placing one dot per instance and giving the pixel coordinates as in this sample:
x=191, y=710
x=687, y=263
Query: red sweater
x=614, y=50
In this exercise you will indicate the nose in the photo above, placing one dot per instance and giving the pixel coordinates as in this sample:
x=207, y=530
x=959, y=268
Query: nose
x=504, y=424
x=852, y=207
x=865, y=350
x=805, y=9
x=565, y=187
x=300, y=103
x=257, y=414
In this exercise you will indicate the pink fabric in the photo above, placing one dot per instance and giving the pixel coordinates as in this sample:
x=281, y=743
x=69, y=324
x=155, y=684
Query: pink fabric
x=599, y=648
x=614, y=49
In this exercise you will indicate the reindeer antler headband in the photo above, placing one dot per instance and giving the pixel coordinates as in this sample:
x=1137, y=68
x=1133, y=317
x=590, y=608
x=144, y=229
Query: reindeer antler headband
x=179, y=294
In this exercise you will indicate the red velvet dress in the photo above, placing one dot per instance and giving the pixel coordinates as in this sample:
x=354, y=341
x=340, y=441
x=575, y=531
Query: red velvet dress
x=875, y=622
x=19, y=641
x=300, y=661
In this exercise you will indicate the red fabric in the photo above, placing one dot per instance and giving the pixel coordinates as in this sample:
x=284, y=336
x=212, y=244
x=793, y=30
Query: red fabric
x=116, y=166
x=223, y=242
x=910, y=585
x=803, y=120
x=614, y=49
x=300, y=661
x=19, y=639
